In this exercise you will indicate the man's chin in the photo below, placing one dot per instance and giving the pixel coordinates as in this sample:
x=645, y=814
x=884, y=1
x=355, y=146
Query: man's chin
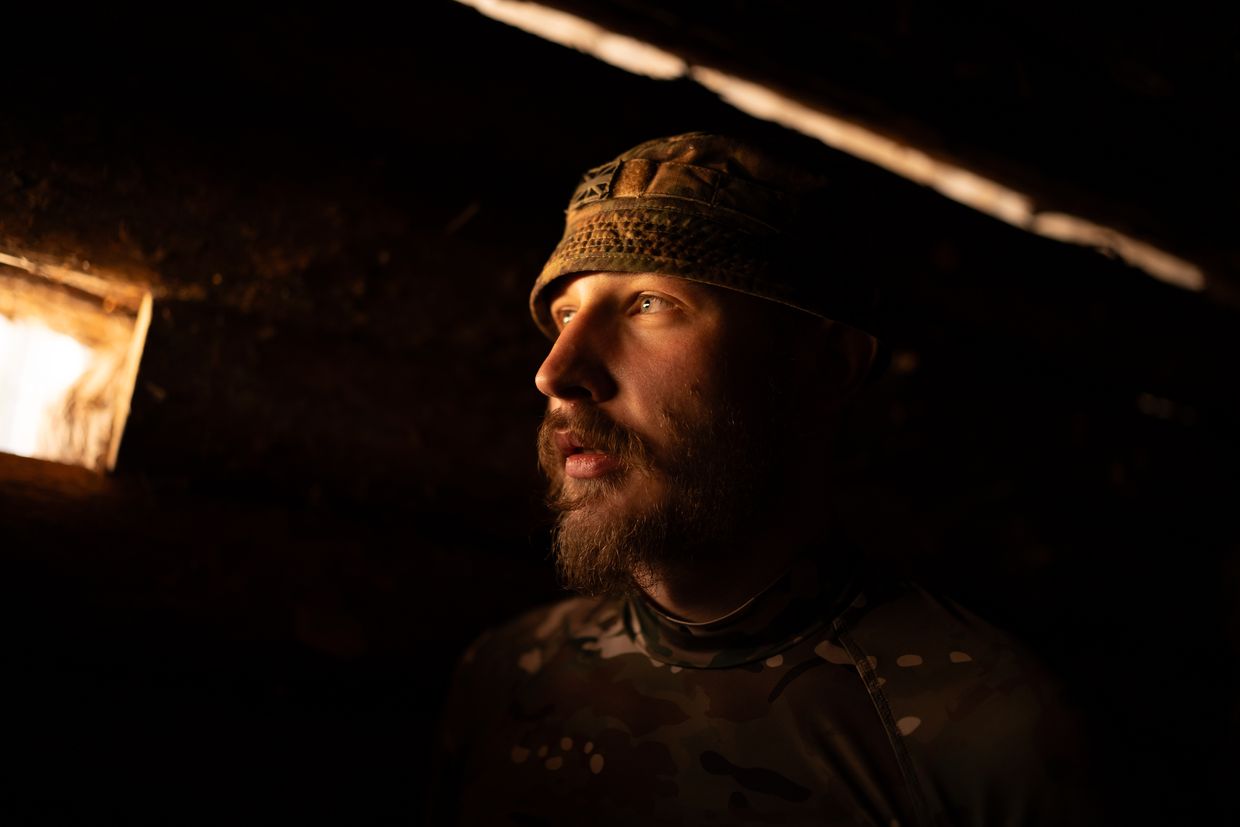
x=606, y=536
x=614, y=496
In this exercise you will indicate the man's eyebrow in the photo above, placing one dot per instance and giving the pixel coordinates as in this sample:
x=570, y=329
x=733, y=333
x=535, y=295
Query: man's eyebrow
x=556, y=291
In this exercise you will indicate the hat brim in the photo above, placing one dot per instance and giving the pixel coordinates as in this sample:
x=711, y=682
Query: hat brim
x=614, y=237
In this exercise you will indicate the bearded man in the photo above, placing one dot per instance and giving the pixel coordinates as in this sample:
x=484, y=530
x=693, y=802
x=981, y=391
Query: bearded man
x=729, y=659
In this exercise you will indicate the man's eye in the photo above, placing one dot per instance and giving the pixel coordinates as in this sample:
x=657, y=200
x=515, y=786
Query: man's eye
x=653, y=304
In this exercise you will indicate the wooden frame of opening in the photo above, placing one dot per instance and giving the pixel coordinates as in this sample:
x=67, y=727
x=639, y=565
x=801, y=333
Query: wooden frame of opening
x=110, y=317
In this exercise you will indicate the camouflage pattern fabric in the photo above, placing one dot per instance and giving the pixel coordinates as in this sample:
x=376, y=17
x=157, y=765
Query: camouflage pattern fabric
x=825, y=700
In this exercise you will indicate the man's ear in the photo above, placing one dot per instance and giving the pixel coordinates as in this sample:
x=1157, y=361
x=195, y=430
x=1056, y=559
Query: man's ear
x=847, y=358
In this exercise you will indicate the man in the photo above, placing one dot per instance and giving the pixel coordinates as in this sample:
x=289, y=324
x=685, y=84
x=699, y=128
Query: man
x=730, y=660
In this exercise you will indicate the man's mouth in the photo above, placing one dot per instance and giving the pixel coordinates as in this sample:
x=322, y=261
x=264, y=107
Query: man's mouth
x=583, y=461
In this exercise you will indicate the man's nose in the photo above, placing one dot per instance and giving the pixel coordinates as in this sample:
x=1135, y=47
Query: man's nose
x=577, y=366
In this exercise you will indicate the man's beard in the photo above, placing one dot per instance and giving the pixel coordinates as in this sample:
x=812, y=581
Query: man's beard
x=714, y=481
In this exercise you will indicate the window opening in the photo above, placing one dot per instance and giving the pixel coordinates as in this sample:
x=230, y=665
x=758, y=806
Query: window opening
x=70, y=344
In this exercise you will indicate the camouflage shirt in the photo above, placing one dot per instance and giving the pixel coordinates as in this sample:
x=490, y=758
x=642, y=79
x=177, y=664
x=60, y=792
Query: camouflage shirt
x=824, y=700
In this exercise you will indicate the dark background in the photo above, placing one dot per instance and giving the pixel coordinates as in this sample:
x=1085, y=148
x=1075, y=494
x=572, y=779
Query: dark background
x=327, y=485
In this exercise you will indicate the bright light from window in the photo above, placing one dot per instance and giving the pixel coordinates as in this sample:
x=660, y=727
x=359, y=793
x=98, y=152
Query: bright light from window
x=69, y=350
x=38, y=367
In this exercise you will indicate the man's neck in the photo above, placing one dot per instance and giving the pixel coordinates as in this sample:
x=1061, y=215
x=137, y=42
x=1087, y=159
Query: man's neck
x=717, y=589
x=713, y=588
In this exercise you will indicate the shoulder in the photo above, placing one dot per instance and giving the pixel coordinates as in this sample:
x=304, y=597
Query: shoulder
x=505, y=656
x=941, y=669
x=913, y=632
x=972, y=714
x=504, y=660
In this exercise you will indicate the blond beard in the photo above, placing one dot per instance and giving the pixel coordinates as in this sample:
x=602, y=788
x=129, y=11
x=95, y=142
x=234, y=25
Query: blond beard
x=609, y=539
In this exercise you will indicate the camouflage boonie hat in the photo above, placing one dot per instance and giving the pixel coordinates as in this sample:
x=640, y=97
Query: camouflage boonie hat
x=718, y=210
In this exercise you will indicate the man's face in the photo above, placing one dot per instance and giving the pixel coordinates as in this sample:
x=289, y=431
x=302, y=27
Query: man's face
x=659, y=430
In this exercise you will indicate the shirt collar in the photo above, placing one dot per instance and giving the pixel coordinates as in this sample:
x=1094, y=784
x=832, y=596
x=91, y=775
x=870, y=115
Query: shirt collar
x=813, y=590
